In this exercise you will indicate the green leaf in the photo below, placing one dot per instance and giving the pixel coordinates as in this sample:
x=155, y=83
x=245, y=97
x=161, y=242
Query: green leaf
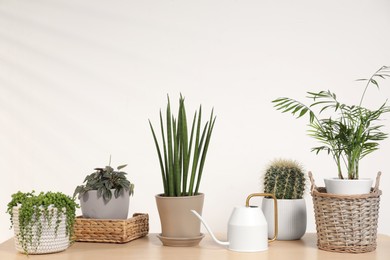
x=121, y=167
x=107, y=195
x=303, y=112
x=312, y=116
x=205, y=149
x=184, y=151
x=165, y=178
x=373, y=81
x=159, y=158
x=100, y=191
x=117, y=193
x=170, y=179
x=196, y=154
x=176, y=161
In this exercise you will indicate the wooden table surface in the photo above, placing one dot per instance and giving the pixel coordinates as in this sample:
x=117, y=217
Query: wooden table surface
x=150, y=247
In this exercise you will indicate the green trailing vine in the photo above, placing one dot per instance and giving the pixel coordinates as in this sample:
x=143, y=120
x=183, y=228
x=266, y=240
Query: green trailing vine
x=31, y=209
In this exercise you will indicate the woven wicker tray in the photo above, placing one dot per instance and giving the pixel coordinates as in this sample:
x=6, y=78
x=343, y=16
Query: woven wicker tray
x=111, y=230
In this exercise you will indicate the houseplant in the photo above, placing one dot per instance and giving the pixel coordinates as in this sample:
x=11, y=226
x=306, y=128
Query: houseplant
x=96, y=195
x=42, y=223
x=346, y=219
x=181, y=156
x=347, y=132
x=286, y=180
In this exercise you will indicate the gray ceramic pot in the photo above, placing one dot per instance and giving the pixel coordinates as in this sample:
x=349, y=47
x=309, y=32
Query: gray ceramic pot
x=94, y=207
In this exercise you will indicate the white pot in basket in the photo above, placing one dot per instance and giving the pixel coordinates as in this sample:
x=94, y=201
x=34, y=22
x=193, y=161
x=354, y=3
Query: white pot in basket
x=348, y=187
x=50, y=241
x=291, y=218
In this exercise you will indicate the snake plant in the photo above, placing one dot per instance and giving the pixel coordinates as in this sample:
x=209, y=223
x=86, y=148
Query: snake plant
x=182, y=154
x=350, y=132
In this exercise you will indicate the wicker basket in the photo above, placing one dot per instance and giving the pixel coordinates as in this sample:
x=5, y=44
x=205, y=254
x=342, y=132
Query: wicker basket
x=111, y=230
x=346, y=223
x=50, y=240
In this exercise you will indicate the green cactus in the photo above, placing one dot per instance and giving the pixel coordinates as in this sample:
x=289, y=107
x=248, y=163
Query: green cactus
x=285, y=179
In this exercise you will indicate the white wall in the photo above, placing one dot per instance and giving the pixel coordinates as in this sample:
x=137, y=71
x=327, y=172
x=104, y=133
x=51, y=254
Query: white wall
x=80, y=79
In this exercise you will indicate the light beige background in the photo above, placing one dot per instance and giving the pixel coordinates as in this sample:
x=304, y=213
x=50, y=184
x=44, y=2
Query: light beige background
x=80, y=79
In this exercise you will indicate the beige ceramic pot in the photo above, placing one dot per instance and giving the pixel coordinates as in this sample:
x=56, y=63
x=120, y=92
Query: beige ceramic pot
x=179, y=227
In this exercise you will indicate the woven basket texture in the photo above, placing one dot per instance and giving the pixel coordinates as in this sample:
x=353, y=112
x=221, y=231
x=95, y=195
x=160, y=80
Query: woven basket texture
x=346, y=223
x=111, y=230
x=50, y=242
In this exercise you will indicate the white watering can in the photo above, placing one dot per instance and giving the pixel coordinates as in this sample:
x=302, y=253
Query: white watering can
x=247, y=227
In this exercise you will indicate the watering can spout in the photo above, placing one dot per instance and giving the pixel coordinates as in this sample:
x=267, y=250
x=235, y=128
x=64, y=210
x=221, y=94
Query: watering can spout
x=209, y=230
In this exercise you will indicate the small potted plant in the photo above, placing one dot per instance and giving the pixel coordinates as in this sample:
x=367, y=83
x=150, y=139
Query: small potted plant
x=105, y=194
x=346, y=211
x=42, y=223
x=348, y=133
x=286, y=180
x=181, y=156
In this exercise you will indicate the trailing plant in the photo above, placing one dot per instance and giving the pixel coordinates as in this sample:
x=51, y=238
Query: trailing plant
x=285, y=179
x=33, y=207
x=105, y=179
x=182, y=154
x=350, y=133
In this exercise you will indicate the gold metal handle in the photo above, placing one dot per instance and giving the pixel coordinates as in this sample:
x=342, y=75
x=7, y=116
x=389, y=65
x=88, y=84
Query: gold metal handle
x=275, y=210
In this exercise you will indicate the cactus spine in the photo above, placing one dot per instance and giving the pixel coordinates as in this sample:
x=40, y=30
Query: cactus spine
x=285, y=179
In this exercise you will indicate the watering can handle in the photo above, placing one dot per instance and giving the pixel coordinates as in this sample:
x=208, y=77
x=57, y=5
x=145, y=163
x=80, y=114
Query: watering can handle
x=275, y=210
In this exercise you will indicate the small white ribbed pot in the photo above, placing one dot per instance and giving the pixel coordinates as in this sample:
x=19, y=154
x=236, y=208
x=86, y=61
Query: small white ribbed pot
x=291, y=218
x=50, y=241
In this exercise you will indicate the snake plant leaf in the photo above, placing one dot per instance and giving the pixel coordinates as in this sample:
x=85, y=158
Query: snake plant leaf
x=176, y=161
x=163, y=173
x=165, y=167
x=184, y=146
x=196, y=154
x=205, y=149
x=170, y=179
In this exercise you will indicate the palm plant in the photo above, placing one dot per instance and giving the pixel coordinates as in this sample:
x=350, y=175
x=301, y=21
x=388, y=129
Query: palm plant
x=183, y=159
x=348, y=136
